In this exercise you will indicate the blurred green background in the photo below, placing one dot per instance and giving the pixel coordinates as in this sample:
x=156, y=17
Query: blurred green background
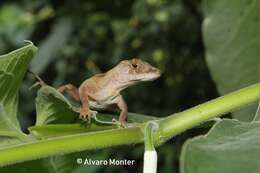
x=77, y=39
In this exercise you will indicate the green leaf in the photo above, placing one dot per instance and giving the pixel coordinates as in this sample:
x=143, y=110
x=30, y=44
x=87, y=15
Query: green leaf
x=12, y=69
x=230, y=146
x=5, y=123
x=57, y=130
x=9, y=134
x=53, y=107
x=45, y=131
x=231, y=35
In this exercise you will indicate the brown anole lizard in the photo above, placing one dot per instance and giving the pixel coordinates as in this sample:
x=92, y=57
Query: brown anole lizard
x=103, y=90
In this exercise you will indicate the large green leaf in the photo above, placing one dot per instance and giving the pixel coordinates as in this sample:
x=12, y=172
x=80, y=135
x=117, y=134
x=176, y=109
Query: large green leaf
x=53, y=107
x=231, y=31
x=9, y=133
x=230, y=146
x=12, y=69
x=45, y=131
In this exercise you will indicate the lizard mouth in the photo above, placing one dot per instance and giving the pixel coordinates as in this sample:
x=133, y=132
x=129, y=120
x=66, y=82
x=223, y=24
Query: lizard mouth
x=151, y=76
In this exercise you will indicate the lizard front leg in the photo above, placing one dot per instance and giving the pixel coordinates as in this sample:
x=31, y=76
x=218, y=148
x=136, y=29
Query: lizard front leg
x=85, y=112
x=123, y=107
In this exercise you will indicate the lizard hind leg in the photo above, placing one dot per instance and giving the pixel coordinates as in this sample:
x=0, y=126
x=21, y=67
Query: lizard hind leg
x=85, y=112
x=71, y=90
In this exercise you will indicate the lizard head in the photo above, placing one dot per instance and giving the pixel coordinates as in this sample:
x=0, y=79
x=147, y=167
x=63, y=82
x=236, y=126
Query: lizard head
x=135, y=70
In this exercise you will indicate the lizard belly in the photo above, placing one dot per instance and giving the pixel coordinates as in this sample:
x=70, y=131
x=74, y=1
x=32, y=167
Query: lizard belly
x=98, y=105
x=104, y=104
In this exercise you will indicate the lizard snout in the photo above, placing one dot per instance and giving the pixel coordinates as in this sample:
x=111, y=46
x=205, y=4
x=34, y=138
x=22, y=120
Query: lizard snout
x=156, y=71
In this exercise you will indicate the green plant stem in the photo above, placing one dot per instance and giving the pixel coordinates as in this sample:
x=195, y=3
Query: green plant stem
x=168, y=127
x=182, y=121
x=71, y=143
x=149, y=135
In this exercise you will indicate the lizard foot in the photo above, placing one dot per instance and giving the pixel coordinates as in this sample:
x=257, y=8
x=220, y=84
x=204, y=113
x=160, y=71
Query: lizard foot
x=86, y=115
x=40, y=82
x=119, y=123
x=36, y=84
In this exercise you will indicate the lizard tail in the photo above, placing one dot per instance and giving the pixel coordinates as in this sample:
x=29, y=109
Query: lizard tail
x=39, y=82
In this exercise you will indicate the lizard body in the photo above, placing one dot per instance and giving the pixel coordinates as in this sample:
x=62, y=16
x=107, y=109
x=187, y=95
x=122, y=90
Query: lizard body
x=103, y=90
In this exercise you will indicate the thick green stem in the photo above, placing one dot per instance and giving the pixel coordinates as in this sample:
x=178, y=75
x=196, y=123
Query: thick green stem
x=182, y=121
x=71, y=143
x=168, y=127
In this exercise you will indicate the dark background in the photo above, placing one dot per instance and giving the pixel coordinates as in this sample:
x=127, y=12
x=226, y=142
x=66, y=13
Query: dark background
x=77, y=39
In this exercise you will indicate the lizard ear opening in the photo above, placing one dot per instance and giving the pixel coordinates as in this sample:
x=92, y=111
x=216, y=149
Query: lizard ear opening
x=134, y=65
x=135, y=62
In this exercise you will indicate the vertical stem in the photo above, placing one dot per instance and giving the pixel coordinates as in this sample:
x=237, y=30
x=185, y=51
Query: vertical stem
x=150, y=155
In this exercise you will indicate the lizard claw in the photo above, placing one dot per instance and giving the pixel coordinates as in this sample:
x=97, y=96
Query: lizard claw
x=39, y=82
x=86, y=115
x=35, y=85
x=120, y=124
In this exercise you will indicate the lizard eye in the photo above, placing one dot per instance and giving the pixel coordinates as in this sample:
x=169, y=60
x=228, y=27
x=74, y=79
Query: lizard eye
x=134, y=65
